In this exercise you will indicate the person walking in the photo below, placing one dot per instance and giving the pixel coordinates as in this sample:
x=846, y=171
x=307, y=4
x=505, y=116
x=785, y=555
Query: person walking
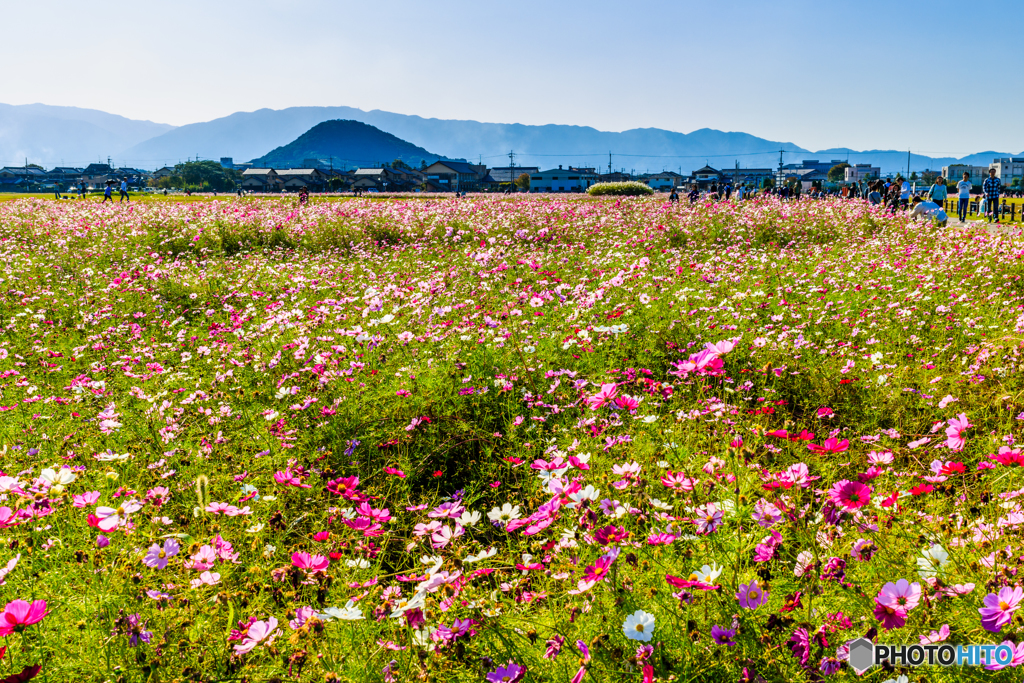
x=56, y=191
x=108, y=192
x=963, y=197
x=124, y=191
x=991, y=190
x=81, y=189
x=937, y=192
x=904, y=194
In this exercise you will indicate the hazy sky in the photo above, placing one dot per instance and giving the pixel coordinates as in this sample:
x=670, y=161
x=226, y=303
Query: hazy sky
x=938, y=77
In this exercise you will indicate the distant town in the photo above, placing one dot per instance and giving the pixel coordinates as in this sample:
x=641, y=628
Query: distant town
x=320, y=175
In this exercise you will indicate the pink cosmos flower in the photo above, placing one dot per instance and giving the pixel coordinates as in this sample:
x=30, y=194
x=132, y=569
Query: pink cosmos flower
x=939, y=636
x=287, y=478
x=206, y=579
x=157, y=557
x=954, y=433
x=86, y=499
x=313, y=563
x=707, y=518
x=604, y=396
x=11, y=564
x=111, y=518
x=830, y=445
x=999, y=608
x=900, y=595
x=257, y=632
x=18, y=614
x=849, y=495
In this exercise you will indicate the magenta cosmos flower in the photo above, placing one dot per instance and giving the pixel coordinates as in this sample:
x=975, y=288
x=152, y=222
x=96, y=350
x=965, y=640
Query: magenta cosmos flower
x=751, y=596
x=891, y=617
x=510, y=673
x=19, y=614
x=999, y=608
x=723, y=636
x=314, y=563
x=849, y=495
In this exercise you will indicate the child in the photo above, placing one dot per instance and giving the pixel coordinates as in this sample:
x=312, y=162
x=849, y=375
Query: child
x=923, y=208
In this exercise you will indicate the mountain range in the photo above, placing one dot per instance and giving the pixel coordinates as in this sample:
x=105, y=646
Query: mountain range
x=346, y=144
x=71, y=136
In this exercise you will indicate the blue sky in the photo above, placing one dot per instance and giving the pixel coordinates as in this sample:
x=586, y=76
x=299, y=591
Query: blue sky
x=938, y=77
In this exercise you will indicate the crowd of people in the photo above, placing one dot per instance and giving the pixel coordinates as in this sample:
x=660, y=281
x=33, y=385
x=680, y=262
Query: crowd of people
x=896, y=194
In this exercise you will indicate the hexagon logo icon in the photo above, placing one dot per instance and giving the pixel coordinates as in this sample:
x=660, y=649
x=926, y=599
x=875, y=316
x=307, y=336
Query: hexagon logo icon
x=862, y=655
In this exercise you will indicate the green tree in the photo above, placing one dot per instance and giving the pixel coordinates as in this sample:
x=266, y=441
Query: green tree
x=204, y=175
x=523, y=182
x=913, y=175
x=836, y=174
x=768, y=182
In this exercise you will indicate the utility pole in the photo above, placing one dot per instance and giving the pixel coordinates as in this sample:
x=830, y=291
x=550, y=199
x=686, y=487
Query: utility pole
x=512, y=170
x=908, y=164
x=609, y=162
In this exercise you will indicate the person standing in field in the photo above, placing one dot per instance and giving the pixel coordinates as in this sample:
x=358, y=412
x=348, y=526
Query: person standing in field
x=124, y=190
x=108, y=192
x=991, y=190
x=963, y=197
x=56, y=191
x=904, y=193
x=875, y=195
x=81, y=189
x=937, y=192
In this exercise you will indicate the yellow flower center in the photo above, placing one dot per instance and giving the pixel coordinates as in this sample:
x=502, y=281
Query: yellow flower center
x=752, y=595
x=640, y=627
x=162, y=554
x=1003, y=605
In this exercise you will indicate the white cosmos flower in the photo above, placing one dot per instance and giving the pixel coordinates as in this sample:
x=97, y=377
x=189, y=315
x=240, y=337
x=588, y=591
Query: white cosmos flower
x=421, y=638
x=659, y=505
x=932, y=561
x=470, y=518
x=639, y=626
x=586, y=493
x=347, y=613
x=707, y=573
x=403, y=605
x=360, y=563
x=506, y=513
x=61, y=477
x=482, y=555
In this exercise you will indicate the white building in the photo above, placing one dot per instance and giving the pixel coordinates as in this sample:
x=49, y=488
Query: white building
x=955, y=173
x=855, y=174
x=1008, y=169
x=666, y=180
x=562, y=180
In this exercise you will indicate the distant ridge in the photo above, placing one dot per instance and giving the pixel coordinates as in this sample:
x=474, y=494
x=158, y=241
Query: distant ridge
x=347, y=143
x=70, y=136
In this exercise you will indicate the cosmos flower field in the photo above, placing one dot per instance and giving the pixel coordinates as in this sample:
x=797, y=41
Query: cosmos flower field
x=504, y=439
